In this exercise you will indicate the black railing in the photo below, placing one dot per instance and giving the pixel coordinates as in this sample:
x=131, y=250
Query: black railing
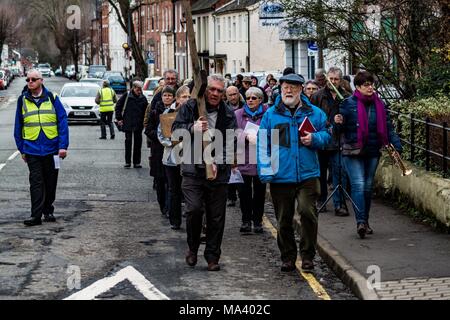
x=426, y=150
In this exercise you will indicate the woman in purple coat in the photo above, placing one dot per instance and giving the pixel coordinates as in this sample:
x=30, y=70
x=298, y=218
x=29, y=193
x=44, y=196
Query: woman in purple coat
x=252, y=192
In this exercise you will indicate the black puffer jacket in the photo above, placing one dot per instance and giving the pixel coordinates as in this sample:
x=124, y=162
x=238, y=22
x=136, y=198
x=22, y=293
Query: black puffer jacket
x=133, y=116
x=156, y=165
x=186, y=117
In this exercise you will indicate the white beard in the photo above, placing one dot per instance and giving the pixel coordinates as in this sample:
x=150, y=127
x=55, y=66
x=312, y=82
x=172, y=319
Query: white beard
x=290, y=102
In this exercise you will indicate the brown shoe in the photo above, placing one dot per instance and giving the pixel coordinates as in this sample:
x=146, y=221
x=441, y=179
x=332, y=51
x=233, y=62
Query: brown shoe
x=288, y=266
x=307, y=265
x=191, y=258
x=213, y=266
x=361, y=230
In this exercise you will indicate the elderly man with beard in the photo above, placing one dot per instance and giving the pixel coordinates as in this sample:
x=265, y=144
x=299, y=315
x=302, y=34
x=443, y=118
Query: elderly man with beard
x=294, y=175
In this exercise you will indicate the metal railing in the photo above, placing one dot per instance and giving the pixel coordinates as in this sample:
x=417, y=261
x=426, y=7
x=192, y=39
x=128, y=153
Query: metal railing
x=414, y=146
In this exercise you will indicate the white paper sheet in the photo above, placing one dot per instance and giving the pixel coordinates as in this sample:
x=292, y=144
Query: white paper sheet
x=57, y=162
x=236, y=177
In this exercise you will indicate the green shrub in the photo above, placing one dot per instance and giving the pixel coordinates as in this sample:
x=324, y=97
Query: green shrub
x=437, y=109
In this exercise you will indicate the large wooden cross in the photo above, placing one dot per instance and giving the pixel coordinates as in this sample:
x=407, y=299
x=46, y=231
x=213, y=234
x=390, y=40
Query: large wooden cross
x=200, y=78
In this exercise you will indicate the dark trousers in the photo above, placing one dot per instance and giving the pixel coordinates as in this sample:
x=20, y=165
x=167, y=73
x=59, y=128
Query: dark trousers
x=174, y=194
x=136, y=147
x=252, y=194
x=106, y=119
x=43, y=180
x=325, y=165
x=202, y=195
x=232, y=192
x=283, y=198
x=162, y=194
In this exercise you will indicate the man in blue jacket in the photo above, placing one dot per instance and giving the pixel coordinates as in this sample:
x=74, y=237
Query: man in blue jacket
x=288, y=161
x=42, y=137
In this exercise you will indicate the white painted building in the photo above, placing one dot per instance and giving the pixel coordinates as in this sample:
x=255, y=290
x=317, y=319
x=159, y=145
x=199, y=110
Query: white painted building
x=245, y=42
x=5, y=54
x=202, y=14
x=117, y=37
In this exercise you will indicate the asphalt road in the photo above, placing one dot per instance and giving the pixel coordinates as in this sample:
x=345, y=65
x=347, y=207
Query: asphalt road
x=108, y=219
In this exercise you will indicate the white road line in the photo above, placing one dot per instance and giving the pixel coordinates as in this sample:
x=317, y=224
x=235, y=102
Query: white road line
x=13, y=156
x=2, y=165
x=145, y=287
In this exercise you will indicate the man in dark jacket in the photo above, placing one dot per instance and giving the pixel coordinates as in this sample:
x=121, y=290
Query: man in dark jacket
x=199, y=192
x=130, y=112
x=328, y=100
x=170, y=80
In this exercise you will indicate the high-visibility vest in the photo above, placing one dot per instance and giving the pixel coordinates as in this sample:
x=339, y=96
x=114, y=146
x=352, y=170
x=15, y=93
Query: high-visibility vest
x=36, y=119
x=106, y=100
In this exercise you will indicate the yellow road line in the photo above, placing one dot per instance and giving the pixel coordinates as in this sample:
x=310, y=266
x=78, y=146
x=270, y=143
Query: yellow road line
x=312, y=281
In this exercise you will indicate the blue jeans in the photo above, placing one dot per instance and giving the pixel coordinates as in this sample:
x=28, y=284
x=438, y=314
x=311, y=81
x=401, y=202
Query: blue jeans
x=361, y=172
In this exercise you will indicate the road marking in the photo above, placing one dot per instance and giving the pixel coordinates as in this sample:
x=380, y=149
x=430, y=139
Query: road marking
x=145, y=287
x=2, y=165
x=13, y=156
x=312, y=281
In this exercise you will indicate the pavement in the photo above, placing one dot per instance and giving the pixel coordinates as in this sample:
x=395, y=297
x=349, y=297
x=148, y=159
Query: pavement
x=402, y=260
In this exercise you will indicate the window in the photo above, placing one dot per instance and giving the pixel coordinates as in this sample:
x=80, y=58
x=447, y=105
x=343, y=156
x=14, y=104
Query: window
x=240, y=27
x=218, y=29
x=245, y=28
x=229, y=28
x=234, y=29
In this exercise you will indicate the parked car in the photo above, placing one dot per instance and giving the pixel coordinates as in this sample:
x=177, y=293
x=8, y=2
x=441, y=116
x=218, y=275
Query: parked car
x=45, y=69
x=70, y=71
x=3, y=81
x=150, y=84
x=82, y=72
x=92, y=80
x=116, y=81
x=96, y=71
x=58, y=72
x=79, y=101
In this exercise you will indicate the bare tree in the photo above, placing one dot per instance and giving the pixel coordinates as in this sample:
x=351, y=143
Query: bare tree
x=9, y=24
x=124, y=13
x=392, y=39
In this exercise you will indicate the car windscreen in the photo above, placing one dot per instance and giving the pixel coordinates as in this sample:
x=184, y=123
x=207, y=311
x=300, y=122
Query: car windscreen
x=115, y=79
x=43, y=66
x=96, y=69
x=150, y=85
x=79, y=92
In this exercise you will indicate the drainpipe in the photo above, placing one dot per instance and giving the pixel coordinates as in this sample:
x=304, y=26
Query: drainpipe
x=174, y=36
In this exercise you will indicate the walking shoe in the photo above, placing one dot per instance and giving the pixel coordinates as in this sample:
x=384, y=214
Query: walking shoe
x=257, y=228
x=369, y=229
x=246, y=227
x=112, y=137
x=49, y=218
x=137, y=166
x=127, y=166
x=213, y=266
x=307, y=265
x=191, y=258
x=203, y=239
x=175, y=227
x=102, y=138
x=32, y=222
x=361, y=229
x=288, y=266
x=339, y=212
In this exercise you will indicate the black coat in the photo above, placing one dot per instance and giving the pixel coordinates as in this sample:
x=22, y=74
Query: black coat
x=185, y=119
x=156, y=165
x=133, y=117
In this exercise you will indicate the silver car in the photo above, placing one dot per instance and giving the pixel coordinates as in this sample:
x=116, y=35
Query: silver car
x=79, y=101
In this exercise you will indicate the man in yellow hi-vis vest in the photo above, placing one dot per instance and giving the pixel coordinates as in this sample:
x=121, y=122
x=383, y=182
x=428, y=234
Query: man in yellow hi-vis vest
x=42, y=137
x=106, y=98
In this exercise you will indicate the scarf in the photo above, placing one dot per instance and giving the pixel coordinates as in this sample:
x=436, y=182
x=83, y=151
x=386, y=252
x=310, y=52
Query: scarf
x=254, y=114
x=363, y=121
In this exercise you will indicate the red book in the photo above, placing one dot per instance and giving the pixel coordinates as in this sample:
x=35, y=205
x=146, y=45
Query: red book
x=306, y=126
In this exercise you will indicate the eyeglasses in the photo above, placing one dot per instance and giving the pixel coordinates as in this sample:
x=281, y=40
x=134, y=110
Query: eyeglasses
x=252, y=98
x=311, y=89
x=171, y=79
x=32, y=79
x=368, y=84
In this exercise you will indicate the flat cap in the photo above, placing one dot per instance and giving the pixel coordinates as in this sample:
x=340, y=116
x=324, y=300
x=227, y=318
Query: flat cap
x=292, y=78
x=247, y=79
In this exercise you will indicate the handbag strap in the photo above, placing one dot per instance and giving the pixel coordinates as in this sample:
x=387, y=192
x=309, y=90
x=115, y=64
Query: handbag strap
x=125, y=105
